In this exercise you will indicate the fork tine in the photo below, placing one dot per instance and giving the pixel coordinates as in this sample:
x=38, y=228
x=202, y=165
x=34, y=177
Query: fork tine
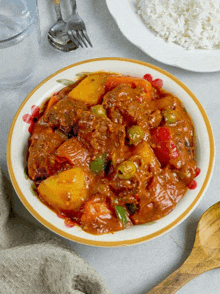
x=86, y=37
x=73, y=37
x=81, y=36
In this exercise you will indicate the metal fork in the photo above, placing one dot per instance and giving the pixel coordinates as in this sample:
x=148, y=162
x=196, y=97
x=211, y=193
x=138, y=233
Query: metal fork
x=76, y=28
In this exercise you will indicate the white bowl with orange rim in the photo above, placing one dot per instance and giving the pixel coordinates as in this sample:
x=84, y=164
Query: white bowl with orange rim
x=18, y=138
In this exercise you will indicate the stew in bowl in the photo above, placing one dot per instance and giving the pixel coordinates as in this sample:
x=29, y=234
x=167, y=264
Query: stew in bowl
x=111, y=151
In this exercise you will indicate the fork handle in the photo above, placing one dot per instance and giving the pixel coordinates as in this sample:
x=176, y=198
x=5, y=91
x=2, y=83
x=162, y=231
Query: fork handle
x=74, y=6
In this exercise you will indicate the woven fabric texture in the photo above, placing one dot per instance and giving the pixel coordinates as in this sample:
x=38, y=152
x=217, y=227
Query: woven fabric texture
x=34, y=261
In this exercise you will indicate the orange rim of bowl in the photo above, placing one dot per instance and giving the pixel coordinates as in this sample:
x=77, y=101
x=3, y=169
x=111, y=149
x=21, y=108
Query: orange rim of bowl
x=123, y=242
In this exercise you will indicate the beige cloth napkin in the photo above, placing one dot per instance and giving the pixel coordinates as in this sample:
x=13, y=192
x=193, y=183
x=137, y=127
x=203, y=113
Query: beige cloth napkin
x=33, y=261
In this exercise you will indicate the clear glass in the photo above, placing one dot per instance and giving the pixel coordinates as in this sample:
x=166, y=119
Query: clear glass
x=19, y=41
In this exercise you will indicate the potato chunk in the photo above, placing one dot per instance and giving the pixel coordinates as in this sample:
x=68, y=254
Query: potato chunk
x=144, y=150
x=65, y=191
x=90, y=90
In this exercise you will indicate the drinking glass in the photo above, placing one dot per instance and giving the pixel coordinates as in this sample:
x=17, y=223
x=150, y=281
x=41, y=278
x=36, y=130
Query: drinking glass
x=19, y=41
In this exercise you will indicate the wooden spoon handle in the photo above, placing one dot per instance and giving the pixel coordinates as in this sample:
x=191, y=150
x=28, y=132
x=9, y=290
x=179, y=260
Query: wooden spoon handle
x=56, y=2
x=175, y=281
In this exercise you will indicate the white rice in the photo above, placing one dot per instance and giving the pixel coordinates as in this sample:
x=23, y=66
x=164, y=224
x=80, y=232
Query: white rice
x=189, y=23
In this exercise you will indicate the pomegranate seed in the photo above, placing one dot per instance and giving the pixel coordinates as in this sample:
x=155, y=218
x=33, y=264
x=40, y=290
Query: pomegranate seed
x=198, y=170
x=157, y=83
x=192, y=185
x=148, y=77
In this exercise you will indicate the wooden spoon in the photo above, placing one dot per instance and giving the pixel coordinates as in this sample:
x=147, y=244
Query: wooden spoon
x=205, y=254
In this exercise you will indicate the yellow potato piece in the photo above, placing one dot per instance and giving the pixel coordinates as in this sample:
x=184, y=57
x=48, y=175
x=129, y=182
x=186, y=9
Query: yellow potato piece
x=65, y=191
x=90, y=90
x=144, y=150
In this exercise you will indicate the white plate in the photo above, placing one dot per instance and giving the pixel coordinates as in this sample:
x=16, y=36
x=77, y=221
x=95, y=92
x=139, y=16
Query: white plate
x=18, y=138
x=133, y=28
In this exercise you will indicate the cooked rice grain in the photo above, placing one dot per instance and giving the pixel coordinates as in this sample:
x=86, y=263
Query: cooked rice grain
x=189, y=23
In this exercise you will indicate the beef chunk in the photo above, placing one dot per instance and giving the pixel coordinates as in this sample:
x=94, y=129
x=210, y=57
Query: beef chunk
x=100, y=135
x=65, y=114
x=42, y=159
x=126, y=105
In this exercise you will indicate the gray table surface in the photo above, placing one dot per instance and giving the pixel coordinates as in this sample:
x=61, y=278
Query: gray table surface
x=134, y=269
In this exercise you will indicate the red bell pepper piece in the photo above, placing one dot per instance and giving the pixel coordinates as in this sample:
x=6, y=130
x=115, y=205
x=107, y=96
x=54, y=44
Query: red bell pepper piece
x=165, y=148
